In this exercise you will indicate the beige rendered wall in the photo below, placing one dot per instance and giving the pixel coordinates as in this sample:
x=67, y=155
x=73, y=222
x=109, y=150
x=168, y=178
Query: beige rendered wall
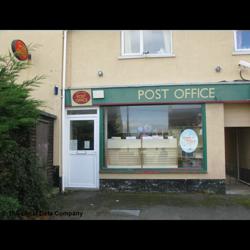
x=215, y=151
x=237, y=115
x=46, y=60
x=197, y=53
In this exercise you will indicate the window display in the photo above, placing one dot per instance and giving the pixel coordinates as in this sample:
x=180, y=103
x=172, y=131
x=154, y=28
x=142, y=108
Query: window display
x=151, y=137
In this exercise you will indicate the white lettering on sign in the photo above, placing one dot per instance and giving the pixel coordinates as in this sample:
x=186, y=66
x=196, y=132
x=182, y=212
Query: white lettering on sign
x=150, y=94
x=202, y=93
x=179, y=93
x=165, y=92
x=193, y=92
x=157, y=94
x=140, y=93
x=187, y=93
x=211, y=93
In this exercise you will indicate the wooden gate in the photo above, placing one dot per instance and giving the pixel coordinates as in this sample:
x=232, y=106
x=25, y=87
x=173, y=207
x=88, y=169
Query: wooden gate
x=42, y=144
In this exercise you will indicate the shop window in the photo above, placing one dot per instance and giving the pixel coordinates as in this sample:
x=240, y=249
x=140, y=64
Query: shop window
x=242, y=40
x=154, y=137
x=146, y=42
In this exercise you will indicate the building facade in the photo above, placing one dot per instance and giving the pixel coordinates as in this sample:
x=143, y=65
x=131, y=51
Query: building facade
x=145, y=110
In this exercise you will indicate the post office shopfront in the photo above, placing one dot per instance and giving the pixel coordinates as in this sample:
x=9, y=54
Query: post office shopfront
x=148, y=138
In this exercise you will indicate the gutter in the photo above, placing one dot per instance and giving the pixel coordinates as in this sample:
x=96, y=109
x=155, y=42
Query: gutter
x=63, y=109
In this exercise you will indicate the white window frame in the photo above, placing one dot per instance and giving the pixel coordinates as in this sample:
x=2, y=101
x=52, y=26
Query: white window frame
x=239, y=51
x=123, y=47
x=141, y=54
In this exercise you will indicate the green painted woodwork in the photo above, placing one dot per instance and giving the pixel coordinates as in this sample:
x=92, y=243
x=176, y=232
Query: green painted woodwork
x=179, y=93
x=213, y=92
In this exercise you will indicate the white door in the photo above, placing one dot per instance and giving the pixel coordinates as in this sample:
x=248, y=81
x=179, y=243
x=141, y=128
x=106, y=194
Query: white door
x=82, y=157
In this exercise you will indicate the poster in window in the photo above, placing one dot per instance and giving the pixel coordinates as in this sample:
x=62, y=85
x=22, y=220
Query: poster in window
x=86, y=144
x=73, y=144
x=188, y=140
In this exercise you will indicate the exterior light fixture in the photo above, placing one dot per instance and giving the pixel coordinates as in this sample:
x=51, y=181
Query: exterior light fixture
x=100, y=73
x=218, y=69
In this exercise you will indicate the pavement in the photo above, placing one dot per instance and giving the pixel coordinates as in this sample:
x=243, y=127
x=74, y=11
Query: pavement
x=99, y=205
x=238, y=188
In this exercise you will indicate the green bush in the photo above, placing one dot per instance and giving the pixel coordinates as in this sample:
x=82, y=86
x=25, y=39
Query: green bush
x=23, y=178
x=9, y=207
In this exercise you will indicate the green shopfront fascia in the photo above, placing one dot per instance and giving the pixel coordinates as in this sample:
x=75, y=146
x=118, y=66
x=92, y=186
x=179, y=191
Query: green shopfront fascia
x=156, y=129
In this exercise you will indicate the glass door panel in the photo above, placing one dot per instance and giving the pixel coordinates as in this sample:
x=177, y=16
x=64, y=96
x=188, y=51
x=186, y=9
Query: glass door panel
x=81, y=135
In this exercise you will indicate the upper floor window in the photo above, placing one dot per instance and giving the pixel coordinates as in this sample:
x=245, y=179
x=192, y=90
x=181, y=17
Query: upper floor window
x=146, y=42
x=242, y=40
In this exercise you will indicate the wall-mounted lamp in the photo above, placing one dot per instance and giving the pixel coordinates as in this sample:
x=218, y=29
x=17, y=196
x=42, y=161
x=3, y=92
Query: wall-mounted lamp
x=100, y=73
x=218, y=69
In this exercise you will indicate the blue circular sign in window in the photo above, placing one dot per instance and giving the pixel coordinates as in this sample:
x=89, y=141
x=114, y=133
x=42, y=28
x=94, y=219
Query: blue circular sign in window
x=188, y=140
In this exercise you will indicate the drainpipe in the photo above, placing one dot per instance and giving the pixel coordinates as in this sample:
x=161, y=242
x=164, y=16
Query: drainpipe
x=63, y=107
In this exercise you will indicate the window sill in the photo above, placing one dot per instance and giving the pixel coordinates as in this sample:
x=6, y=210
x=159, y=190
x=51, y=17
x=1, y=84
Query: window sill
x=153, y=171
x=236, y=53
x=145, y=56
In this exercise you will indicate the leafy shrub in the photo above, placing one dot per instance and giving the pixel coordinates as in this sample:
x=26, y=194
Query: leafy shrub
x=18, y=111
x=21, y=176
x=9, y=207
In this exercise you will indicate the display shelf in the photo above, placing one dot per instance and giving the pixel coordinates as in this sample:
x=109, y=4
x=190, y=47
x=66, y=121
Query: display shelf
x=123, y=157
x=123, y=143
x=160, y=153
x=159, y=143
x=146, y=153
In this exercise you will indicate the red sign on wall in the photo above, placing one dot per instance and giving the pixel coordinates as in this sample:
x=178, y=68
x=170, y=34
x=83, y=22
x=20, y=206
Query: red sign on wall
x=20, y=50
x=81, y=97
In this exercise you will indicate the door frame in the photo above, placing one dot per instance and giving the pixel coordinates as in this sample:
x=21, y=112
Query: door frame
x=66, y=154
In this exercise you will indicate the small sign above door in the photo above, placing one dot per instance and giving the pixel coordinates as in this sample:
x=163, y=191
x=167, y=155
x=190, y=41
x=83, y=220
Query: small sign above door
x=81, y=97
